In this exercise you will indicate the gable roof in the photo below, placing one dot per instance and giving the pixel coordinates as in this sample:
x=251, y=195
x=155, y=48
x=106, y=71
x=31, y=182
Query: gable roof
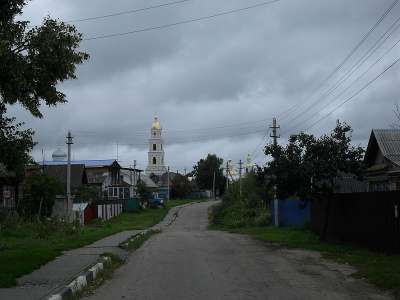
x=388, y=142
x=78, y=174
x=148, y=181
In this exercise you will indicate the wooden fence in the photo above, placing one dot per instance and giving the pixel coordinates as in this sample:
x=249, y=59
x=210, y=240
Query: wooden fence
x=370, y=219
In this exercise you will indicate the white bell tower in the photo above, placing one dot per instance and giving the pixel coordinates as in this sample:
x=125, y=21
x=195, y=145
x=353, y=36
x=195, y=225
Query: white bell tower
x=155, y=163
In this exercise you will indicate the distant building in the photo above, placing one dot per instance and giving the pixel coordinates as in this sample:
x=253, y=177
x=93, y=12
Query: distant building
x=156, y=164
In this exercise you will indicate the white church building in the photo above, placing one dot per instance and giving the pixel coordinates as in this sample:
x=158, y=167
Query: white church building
x=155, y=163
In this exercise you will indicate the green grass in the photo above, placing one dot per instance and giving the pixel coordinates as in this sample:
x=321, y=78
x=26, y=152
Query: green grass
x=27, y=246
x=380, y=269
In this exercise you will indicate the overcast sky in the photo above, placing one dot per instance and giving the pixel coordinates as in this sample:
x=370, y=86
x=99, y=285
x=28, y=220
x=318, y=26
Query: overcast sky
x=216, y=84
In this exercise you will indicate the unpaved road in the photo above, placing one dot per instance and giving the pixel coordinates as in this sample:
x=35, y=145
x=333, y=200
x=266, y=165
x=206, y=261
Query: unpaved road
x=187, y=261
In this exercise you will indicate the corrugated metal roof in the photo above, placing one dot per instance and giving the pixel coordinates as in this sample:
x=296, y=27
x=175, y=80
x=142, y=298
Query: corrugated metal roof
x=389, y=143
x=87, y=163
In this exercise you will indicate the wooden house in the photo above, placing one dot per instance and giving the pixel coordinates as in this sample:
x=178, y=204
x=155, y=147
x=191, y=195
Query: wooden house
x=382, y=160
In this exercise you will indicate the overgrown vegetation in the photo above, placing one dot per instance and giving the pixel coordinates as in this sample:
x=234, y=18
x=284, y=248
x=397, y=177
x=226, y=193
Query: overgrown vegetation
x=26, y=245
x=40, y=192
x=245, y=209
x=180, y=186
x=204, y=172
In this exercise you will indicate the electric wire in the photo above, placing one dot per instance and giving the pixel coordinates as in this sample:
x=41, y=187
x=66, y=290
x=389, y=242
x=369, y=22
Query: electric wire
x=127, y=12
x=356, y=93
x=168, y=25
x=348, y=56
x=351, y=71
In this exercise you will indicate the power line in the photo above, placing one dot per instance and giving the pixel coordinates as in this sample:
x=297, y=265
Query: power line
x=352, y=70
x=126, y=12
x=354, y=50
x=223, y=13
x=365, y=72
x=356, y=93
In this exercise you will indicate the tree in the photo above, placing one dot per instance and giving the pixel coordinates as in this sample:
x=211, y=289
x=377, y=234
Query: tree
x=34, y=60
x=306, y=159
x=180, y=186
x=204, y=173
x=143, y=192
x=40, y=193
x=309, y=167
x=15, y=144
x=88, y=193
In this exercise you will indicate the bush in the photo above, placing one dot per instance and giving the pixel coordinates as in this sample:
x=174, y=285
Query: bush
x=237, y=215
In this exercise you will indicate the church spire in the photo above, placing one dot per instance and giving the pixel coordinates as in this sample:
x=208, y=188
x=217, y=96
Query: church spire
x=156, y=164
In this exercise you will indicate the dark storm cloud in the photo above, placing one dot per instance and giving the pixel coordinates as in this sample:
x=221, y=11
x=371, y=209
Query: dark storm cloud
x=235, y=69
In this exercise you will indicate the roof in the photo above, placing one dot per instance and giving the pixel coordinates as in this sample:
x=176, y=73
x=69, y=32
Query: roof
x=350, y=184
x=164, y=178
x=78, y=174
x=147, y=180
x=388, y=141
x=86, y=163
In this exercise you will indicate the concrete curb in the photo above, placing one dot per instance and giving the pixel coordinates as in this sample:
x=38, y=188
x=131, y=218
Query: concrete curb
x=81, y=281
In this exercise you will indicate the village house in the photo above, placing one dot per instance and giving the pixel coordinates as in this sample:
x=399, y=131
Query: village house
x=382, y=160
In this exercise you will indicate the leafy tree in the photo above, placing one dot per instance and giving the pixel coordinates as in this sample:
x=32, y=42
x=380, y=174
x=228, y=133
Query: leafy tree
x=204, y=173
x=40, y=193
x=87, y=193
x=309, y=167
x=180, y=186
x=321, y=161
x=15, y=144
x=34, y=60
x=143, y=192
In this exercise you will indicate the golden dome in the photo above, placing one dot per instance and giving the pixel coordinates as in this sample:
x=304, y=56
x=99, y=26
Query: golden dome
x=155, y=124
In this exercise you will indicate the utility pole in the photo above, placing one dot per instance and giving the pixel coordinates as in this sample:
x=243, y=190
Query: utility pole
x=69, y=142
x=274, y=133
x=240, y=178
x=275, y=137
x=226, y=173
x=168, y=183
x=134, y=172
x=214, y=187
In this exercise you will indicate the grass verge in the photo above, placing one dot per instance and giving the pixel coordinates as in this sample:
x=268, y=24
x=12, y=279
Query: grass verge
x=24, y=247
x=135, y=242
x=102, y=276
x=380, y=269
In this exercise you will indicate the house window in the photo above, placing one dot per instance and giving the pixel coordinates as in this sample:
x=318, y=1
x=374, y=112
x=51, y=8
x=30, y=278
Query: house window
x=161, y=146
x=154, y=147
x=154, y=161
x=154, y=133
